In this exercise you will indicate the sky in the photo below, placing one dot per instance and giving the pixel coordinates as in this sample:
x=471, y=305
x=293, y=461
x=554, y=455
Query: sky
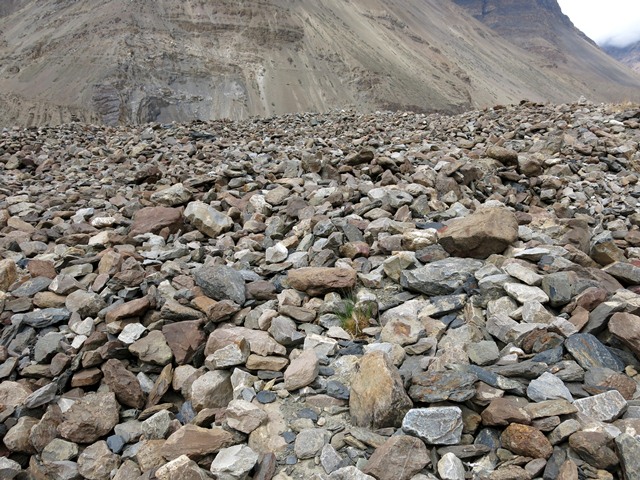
x=607, y=22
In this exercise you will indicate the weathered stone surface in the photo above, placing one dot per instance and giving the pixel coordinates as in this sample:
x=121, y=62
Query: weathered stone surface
x=152, y=349
x=244, y=416
x=234, y=462
x=435, y=426
x=310, y=441
x=595, y=449
x=527, y=441
x=302, y=371
x=123, y=383
x=378, y=398
x=17, y=438
x=90, y=418
x=487, y=231
x=399, y=458
x=212, y=390
x=96, y=462
x=589, y=352
x=184, y=339
x=450, y=467
x=317, y=281
x=195, y=442
x=604, y=407
x=8, y=274
x=207, y=219
x=134, y=308
x=629, y=451
x=431, y=387
x=181, y=468
x=260, y=343
x=442, y=277
x=154, y=219
x=626, y=327
x=221, y=282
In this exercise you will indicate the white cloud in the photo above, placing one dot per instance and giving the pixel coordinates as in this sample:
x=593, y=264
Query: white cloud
x=612, y=22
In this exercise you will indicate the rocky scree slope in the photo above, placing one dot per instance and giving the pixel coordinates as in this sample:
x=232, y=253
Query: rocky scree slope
x=119, y=61
x=629, y=55
x=337, y=296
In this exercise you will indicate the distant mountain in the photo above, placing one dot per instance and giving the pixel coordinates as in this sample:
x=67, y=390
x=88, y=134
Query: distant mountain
x=123, y=61
x=629, y=55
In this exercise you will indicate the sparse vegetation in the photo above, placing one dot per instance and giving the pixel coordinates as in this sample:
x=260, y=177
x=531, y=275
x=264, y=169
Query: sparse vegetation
x=356, y=316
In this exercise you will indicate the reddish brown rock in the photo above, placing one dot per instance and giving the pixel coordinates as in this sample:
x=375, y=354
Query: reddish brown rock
x=503, y=411
x=134, y=308
x=195, y=442
x=485, y=232
x=42, y=268
x=527, y=441
x=154, y=219
x=318, y=281
x=184, y=339
x=626, y=327
x=399, y=458
x=123, y=383
x=47, y=428
x=595, y=448
x=85, y=378
x=90, y=418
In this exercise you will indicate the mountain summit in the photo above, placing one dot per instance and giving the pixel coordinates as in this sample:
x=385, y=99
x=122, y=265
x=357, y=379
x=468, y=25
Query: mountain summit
x=122, y=61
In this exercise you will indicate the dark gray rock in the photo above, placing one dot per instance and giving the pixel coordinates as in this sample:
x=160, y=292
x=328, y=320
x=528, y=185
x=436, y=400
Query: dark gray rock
x=221, y=282
x=589, y=352
x=442, y=277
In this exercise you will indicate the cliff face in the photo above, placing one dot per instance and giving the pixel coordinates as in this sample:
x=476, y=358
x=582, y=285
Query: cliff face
x=119, y=61
x=629, y=55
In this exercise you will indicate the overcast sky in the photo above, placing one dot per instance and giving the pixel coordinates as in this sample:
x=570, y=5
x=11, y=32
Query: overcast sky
x=614, y=22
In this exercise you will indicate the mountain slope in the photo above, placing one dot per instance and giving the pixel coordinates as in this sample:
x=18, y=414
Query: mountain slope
x=119, y=61
x=629, y=55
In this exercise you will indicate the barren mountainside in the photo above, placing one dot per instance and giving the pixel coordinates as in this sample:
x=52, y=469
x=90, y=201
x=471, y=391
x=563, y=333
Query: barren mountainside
x=629, y=55
x=119, y=61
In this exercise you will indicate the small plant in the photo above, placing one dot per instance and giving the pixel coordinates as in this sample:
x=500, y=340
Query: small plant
x=356, y=316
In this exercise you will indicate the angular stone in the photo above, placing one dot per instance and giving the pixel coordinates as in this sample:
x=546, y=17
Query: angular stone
x=270, y=362
x=483, y=353
x=207, y=219
x=402, y=331
x=604, y=407
x=244, y=416
x=506, y=156
x=525, y=293
x=431, y=387
x=229, y=356
x=527, y=441
x=91, y=417
x=450, y=467
x=172, y=196
x=234, y=462
x=442, y=277
x=59, y=450
x=96, y=462
x=310, y=441
x=349, y=473
x=504, y=411
x=589, y=352
x=152, y=349
x=626, y=327
x=154, y=219
x=184, y=339
x=378, y=398
x=17, y=438
x=9, y=469
x=221, y=282
x=485, y=232
x=317, y=281
x=86, y=304
x=181, y=468
x=123, y=383
x=435, y=426
x=134, y=308
x=195, y=442
x=212, y=390
x=8, y=274
x=548, y=387
x=157, y=425
x=626, y=273
x=550, y=408
x=629, y=452
x=260, y=342
x=595, y=449
x=399, y=458
x=302, y=371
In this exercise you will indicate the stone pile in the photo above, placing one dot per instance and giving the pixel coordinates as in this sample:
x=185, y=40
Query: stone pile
x=387, y=296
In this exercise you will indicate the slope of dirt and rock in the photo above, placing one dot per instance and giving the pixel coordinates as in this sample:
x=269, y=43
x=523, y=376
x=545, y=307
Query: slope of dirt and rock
x=327, y=296
x=120, y=61
x=629, y=55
